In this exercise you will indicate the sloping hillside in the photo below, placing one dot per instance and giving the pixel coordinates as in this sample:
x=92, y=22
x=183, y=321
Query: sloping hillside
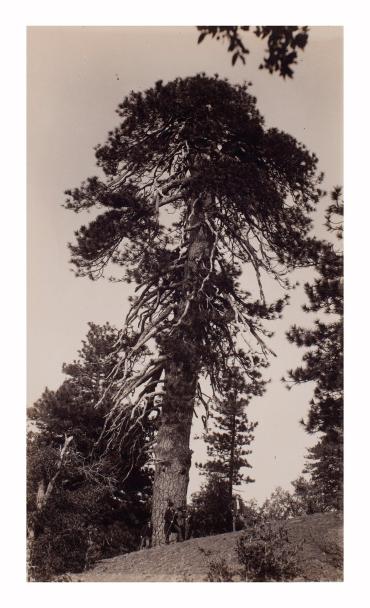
x=320, y=557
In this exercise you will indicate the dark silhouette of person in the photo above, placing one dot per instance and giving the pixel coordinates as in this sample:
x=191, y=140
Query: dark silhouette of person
x=146, y=536
x=169, y=516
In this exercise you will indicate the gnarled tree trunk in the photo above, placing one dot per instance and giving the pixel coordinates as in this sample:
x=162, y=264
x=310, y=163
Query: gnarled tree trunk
x=172, y=453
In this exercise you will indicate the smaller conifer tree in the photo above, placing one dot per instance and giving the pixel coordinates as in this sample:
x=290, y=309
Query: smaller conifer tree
x=84, y=500
x=232, y=433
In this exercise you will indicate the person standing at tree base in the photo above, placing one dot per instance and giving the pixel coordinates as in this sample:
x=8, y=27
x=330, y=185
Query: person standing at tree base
x=146, y=537
x=169, y=516
x=180, y=523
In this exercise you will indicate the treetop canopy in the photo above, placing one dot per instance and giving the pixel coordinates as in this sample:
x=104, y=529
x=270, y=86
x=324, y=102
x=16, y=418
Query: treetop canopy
x=184, y=140
x=236, y=193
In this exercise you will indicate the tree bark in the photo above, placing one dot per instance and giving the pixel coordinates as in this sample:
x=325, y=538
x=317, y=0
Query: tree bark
x=172, y=453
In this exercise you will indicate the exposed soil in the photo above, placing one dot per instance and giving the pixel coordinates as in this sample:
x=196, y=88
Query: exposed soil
x=320, y=557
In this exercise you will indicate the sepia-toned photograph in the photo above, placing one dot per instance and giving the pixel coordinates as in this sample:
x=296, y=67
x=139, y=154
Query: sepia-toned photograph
x=185, y=303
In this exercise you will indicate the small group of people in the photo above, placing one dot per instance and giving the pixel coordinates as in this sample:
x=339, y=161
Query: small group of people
x=177, y=521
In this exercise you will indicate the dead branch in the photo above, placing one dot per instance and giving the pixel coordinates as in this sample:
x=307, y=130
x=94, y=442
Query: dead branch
x=44, y=497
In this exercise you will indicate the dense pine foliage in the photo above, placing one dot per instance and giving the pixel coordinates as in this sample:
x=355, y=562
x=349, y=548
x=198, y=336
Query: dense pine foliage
x=231, y=433
x=100, y=497
x=198, y=148
x=323, y=364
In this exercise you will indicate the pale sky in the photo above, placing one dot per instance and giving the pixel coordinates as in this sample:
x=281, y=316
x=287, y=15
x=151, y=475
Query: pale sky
x=76, y=78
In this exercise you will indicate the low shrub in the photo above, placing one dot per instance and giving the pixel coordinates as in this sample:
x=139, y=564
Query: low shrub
x=219, y=572
x=267, y=554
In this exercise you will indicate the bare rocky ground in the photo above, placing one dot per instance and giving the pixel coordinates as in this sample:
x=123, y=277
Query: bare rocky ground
x=320, y=557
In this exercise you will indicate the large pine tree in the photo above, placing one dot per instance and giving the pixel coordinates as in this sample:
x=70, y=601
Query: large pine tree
x=194, y=187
